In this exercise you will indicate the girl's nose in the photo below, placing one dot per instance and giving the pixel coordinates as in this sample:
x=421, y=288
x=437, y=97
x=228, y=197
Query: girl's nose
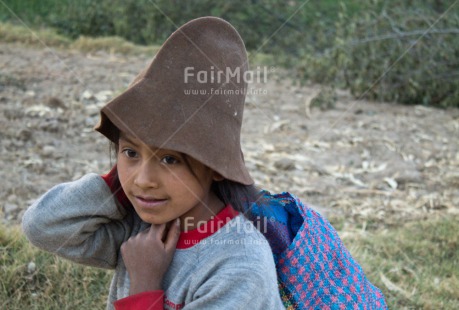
x=147, y=176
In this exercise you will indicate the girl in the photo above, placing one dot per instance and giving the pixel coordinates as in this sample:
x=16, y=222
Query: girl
x=178, y=217
x=174, y=231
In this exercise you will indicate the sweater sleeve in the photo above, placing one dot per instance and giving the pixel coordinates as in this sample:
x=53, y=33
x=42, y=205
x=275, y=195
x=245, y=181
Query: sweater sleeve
x=151, y=300
x=80, y=221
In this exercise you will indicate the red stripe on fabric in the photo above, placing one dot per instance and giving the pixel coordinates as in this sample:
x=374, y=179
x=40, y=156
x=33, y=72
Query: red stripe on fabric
x=152, y=300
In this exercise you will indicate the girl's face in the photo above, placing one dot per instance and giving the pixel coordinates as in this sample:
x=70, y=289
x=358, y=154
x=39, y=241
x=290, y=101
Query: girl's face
x=161, y=186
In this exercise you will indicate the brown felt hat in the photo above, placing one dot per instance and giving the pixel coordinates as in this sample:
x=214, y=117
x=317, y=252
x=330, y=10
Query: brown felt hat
x=190, y=99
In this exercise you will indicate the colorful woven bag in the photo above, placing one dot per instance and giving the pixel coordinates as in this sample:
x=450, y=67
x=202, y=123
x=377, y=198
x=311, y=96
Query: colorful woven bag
x=315, y=270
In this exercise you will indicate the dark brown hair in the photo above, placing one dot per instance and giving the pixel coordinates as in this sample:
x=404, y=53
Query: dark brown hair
x=238, y=195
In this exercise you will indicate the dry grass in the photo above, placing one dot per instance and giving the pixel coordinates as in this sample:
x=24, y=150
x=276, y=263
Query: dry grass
x=19, y=34
x=50, y=38
x=416, y=266
x=33, y=279
x=112, y=45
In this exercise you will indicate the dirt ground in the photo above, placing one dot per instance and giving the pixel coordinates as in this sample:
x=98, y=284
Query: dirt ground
x=371, y=164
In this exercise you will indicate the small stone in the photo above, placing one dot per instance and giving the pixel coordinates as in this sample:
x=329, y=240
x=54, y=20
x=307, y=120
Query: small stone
x=452, y=179
x=31, y=267
x=13, y=114
x=56, y=103
x=285, y=164
x=410, y=176
x=48, y=151
x=50, y=125
x=391, y=182
x=92, y=109
x=289, y=108
x=90, y=122
x=38, y=110
x=24, y=135
x=10, y=208
x=87, y=95
x=103, y=96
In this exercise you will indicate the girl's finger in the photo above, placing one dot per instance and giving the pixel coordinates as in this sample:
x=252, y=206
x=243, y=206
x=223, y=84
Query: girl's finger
x=173, y=235
x=157, y=231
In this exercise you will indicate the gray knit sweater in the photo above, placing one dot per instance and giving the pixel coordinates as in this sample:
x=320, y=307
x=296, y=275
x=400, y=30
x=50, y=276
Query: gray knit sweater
x=231, y=269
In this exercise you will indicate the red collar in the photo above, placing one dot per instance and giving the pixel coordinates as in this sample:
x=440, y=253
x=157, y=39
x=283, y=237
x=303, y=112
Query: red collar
x=190, y=238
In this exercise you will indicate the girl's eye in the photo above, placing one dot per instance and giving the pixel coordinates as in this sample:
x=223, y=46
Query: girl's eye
x=169, y=160
x=130, y=153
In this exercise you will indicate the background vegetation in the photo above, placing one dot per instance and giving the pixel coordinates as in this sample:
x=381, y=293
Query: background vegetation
x=381, y=49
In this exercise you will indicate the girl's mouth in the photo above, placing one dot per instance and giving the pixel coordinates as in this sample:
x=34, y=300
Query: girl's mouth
x=146, y=202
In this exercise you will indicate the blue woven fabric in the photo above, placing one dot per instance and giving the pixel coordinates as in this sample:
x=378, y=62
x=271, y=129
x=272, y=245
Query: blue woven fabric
x=315, y=270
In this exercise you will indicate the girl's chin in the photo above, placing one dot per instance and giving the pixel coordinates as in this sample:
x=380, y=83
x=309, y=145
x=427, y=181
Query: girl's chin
x=154, y=220
x=151, y=220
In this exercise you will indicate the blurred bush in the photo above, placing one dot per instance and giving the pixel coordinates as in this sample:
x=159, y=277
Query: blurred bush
x=145, y=21
x=402, y=54
x=379, y=49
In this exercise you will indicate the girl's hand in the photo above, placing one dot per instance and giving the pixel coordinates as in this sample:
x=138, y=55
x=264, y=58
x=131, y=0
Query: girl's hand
x=147, y=256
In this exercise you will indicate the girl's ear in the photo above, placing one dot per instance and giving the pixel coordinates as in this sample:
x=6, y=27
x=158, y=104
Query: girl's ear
x=217, y=176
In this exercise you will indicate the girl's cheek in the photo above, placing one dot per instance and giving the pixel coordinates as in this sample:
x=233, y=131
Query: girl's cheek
x=124, y=172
